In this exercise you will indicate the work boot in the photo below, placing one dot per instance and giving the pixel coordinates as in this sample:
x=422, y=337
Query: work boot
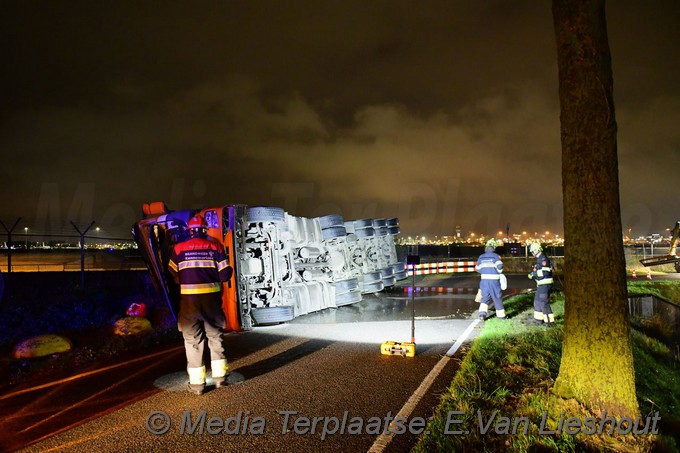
x=221, y=383
x=195, y=390
x=482, y=316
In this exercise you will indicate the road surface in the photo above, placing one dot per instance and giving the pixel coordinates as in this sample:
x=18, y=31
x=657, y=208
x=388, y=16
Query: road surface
x=317, y=383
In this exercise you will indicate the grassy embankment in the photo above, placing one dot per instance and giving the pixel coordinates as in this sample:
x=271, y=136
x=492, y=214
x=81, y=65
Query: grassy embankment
x=511, y=368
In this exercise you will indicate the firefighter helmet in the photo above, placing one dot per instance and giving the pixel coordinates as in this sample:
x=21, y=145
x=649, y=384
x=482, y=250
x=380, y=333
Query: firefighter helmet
x=535, y=248
x=491, y=244
x=197, y=223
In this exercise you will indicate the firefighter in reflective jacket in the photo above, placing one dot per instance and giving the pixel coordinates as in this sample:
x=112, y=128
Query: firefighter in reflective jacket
x=542, y=273
x=200, y=266
x=490, y=266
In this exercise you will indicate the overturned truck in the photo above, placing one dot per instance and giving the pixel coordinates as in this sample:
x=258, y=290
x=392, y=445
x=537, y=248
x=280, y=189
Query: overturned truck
x=284, y=266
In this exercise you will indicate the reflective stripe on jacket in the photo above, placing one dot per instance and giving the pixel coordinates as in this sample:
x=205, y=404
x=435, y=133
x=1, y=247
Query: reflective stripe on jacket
x=199, y=265
x=543, y=272
x=489, y=265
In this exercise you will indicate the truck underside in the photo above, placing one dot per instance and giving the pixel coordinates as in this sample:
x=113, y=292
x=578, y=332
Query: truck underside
x=284, y=266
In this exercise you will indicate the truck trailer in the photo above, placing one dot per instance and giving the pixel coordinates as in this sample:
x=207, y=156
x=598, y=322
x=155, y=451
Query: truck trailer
x=284, y=266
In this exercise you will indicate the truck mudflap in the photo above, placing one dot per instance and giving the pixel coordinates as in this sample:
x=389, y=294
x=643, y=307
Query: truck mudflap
x=284, y=266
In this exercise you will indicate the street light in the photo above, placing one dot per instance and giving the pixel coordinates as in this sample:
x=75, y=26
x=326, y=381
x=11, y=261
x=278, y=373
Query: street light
x=25, y=237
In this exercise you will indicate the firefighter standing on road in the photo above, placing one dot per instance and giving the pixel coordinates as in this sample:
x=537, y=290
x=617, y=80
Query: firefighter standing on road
x=490, y=266
x=542, y=273
x=200, y=266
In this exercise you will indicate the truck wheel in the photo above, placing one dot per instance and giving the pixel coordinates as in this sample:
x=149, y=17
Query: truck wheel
x=373, y=287
x=332, y=220
x=380, y=231
x=365, y=232
x=333, y=232
x=400, y=275
x=344, y=286
x=398, y=267
x=372, y=277
x=363, y=223
x=347, y=298
x=389, y=281
x=272, y=315
x=265, y=214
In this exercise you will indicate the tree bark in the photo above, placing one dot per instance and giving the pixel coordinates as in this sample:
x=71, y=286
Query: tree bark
x=597, y=362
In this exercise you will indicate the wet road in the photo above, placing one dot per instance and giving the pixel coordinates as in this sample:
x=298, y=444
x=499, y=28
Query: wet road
x=316, y=383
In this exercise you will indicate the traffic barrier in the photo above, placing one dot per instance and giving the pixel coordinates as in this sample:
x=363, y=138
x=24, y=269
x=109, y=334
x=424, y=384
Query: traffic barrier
x=439, y=290
x=649, y=275
x=442, y=268
x=634, y=275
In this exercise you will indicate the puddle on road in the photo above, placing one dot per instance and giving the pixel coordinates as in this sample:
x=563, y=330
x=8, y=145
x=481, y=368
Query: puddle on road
x=395, y=305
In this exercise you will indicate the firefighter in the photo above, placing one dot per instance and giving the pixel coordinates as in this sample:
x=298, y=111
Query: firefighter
x=199, y=265
x=542, y=273
x=490, y=266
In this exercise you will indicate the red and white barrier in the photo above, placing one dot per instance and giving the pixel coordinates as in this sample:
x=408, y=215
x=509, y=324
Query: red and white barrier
x=433, y=290
x=442, y=268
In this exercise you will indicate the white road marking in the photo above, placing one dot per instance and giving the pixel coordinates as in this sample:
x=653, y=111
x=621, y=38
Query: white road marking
x=384, y=439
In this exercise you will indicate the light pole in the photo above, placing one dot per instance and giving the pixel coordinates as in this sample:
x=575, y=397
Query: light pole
x=26, y=238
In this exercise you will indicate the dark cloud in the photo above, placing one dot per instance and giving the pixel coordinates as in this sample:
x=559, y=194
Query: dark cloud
x=439, y=113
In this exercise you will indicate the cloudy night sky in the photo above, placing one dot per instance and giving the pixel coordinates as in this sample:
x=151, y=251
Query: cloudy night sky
x=440, y=113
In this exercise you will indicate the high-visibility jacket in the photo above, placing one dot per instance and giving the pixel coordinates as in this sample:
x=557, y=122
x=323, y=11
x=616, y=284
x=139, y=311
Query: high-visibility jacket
x=489, y=264
x=199, y=266
x=543, y=271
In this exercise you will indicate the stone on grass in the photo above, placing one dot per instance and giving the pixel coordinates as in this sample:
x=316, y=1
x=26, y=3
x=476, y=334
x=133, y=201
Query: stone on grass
x=131, y=325
x=41, y=346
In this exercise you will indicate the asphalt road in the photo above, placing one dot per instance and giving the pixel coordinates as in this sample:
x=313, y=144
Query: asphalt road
x=318, y=383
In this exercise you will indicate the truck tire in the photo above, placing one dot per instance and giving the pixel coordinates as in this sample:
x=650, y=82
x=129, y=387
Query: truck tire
x=389, y=281
x=272, y=315
x=398, y=267
x=372, y=277
x=372, y=287
x=332, y=220
x=380, y=231
x=400, y=275
x=333, y=232
x=386, y=272
x=265, y=214
x=364, y=232
x=345, y=286
x=351, y=297
x=363, y=223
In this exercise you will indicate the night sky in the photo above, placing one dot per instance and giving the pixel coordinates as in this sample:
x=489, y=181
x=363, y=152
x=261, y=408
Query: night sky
x=440, y=113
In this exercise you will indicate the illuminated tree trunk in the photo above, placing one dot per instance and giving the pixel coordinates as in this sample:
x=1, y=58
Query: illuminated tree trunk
x=597, y=362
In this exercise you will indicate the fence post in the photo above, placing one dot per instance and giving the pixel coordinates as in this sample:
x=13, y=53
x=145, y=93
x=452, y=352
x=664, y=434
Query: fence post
x=82, y=252
x=9, y=248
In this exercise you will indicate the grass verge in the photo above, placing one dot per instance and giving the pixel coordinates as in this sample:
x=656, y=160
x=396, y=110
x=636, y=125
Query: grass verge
x=504, y=385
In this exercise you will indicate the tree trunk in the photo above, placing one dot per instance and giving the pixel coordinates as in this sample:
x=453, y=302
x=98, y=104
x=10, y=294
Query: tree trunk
x=597, y=362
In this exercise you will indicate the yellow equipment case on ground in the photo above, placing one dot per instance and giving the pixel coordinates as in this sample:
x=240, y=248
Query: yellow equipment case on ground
x=398, y=348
